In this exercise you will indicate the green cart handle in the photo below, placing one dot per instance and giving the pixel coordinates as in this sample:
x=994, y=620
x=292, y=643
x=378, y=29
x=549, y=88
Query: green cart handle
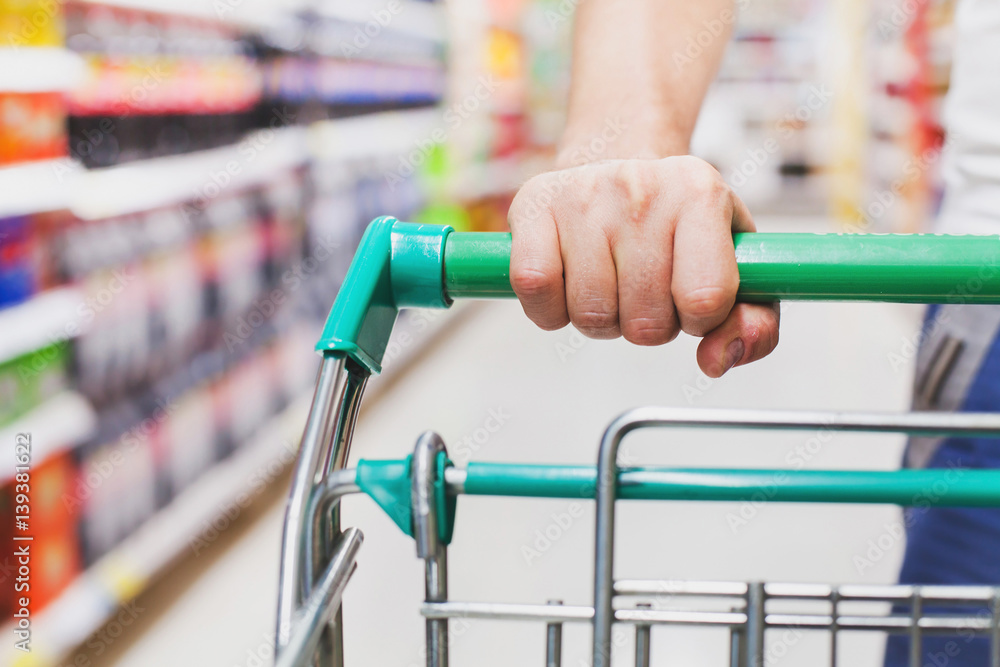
x=403, y=265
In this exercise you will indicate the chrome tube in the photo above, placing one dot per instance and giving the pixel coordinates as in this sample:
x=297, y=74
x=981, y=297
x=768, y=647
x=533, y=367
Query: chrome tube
x=311, y=619
x=834, y=626
x=604, y=537
x=553, y=641
x=756, y=624
x=326, y=519
x=324, y=449
x=643, y=636
x=995, y=630
x=737, y=620
x=436, y=590
x=924, y=423
x=505, y=611
x=736, y=647
x=429, y=546
x=916, y=637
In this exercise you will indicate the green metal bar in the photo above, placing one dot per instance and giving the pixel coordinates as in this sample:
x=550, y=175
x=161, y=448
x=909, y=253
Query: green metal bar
x=908, y=268
x=387, y=483
x=942, y=487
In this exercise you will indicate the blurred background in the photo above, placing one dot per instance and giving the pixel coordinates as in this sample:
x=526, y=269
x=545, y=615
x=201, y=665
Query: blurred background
x=182, y=186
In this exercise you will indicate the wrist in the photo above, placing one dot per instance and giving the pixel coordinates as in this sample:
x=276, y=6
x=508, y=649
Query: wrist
x=620, y=135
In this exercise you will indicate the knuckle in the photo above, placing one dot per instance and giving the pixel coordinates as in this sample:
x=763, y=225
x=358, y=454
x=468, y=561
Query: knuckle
x=648, y=330
x=529, y=201
x=586, y=185
x=704, y=301
x=551, y=324
x=704, y=180
x=530, y=282
x=597, y=321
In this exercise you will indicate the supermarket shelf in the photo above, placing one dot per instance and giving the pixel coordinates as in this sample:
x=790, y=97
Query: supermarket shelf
x=60, y=423
x=51, y=185
x=35, y=70
x=377, y=134
x=250, y=14
x=119, y=576
x=46, y=318
x=423, y=20
x=203, y=175
x=35, y=187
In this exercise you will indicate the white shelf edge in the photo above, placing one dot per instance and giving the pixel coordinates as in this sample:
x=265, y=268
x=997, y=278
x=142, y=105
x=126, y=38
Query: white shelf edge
x=35, y=187
x=29, y=69
x=60, y=423
x=46, y=318
x=201, y=176
x=251, y=14
x=143, y=185
x=423, y=20
x=382, y=133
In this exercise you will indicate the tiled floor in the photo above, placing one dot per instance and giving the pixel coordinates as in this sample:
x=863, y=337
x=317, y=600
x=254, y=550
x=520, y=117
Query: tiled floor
x=555, y=392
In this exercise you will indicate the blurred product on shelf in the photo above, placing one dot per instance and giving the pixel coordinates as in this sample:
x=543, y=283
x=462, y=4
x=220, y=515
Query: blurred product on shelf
x=56, y=559
x=33, y=23
x=911, y=67
x=157, y=84
x=32, y=126
x=27, y=380
x=17, y=275
x=350, y=87
x=118, y=85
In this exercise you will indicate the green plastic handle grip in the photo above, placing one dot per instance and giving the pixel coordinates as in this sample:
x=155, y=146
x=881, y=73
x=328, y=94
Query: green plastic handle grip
x=405, y=265
x=906, y=268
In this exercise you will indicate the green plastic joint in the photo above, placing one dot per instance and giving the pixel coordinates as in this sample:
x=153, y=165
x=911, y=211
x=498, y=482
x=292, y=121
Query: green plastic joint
x=397, y=265
x=388, y=484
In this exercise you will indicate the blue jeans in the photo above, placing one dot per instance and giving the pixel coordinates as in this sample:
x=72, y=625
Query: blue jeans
x=954, y=545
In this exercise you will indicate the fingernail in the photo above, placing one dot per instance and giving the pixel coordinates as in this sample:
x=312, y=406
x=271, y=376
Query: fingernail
x=734, y=352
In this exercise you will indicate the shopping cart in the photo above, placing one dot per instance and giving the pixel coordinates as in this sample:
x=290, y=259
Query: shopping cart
x=404, y=265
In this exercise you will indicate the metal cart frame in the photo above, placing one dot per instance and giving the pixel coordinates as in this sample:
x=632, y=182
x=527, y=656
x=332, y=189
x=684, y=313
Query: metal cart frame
x=400, y=265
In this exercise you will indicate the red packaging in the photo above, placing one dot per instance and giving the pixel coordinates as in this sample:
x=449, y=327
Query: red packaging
x=55, y=555
x=32, y=127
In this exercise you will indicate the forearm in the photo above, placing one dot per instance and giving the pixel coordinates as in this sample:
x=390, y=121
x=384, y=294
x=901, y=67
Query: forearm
x=640, y=72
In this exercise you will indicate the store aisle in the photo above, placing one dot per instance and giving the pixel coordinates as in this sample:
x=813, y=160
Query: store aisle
x=552, y=395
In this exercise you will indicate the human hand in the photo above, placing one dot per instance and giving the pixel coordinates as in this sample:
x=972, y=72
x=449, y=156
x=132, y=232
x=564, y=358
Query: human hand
x=640, y=248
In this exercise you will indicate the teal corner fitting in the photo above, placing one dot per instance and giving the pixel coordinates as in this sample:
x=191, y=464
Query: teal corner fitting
x=397, y=265
x=388, y=483
x=401, y=265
